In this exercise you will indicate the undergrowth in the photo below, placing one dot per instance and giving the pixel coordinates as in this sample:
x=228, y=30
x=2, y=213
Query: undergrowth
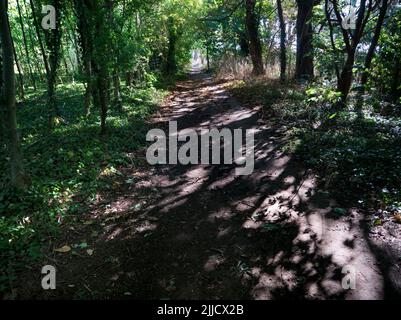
x=358, y=155
x=64, y=167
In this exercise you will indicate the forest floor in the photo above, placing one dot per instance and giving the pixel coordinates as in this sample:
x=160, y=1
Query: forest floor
x=201, y=232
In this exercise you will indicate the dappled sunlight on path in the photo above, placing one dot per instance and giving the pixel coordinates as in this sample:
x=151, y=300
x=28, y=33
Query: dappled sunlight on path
x=201, y=232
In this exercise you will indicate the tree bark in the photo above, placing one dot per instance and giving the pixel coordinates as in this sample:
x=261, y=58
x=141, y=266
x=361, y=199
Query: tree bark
x=36, y=60
x=86, y=44
x=351, y=44
x=28, y=57
x=20, y=74
x=2, y=110
x=244, y=43
x=255, y=46
x=373, y=43
x=346, y=77
x=304, y=63
x=208, y=57
x=283, y=42
x=8, y=100
x=53, y=41
x=171, y=65
x=41, y=45
x=117, y=93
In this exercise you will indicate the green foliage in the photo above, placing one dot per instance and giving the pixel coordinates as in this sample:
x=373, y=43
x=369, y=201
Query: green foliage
x=358, y=156
x=65, y=177
x=387, y=64
x=323, y=95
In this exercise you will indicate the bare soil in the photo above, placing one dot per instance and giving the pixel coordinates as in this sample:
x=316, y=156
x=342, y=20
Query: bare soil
x=201, y=232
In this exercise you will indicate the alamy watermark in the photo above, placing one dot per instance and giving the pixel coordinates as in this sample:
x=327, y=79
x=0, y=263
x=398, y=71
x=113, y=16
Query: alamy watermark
x=197, y=147
x=349, y=280
x=49, y=20
x=349, y=21
x=49, y=279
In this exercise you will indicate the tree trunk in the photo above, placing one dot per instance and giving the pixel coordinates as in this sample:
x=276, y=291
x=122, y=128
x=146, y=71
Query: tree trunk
x=99, y=28
x=244, y=44
x=20, y=74
x=8, y=100
x=346, y=76
x=103, y=102
x=171, y=64
x=283, y=42
x=396, y=83
x=128, y=79
x=53, y=41
x=304, y=63
x=36, y=60
x=208, y=57
x=373, y=43
x=255, y=47
x=117, y=93
x=2, y=110
x=86, y=48
x=41, y=45
x=28, y=58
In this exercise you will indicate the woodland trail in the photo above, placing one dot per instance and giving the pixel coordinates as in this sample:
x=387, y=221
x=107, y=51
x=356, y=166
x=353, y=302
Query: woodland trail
x=200, y=232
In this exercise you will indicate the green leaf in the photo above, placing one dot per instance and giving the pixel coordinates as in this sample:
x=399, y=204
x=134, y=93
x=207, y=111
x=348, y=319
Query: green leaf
x=333, y=116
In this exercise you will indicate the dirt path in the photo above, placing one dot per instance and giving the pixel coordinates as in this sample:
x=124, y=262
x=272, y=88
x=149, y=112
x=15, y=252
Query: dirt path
x=200, y=232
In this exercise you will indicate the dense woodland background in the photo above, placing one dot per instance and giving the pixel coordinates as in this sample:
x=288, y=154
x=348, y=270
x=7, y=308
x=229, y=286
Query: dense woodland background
x=75, y=99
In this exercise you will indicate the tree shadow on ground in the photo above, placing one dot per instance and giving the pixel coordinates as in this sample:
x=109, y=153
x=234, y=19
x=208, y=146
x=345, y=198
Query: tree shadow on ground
x=201, y=232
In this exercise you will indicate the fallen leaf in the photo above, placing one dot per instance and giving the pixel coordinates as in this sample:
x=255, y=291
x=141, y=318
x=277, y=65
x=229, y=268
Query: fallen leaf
x=89, y=252
x=63, y=249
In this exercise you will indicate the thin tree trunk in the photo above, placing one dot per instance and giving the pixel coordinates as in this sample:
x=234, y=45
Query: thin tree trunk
x=244, y=43
x=346, y=76
x=102, y=88
x=36, y=59
x=283, y=42
x=20, y=75
x=255, y=46
x=86, y=47
x=289, y=53
x=53, y=41
x=332, y=41
x=208, y=57
x=41, y=45
x=304, y=63
x=67, y=71
x=2, y=110
x=74, y=41
x=8, y=100
x=373, y=43
x=128, y=79
x=28, y=58
x=117, y=93
x=396, y=83
x=171, y=65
